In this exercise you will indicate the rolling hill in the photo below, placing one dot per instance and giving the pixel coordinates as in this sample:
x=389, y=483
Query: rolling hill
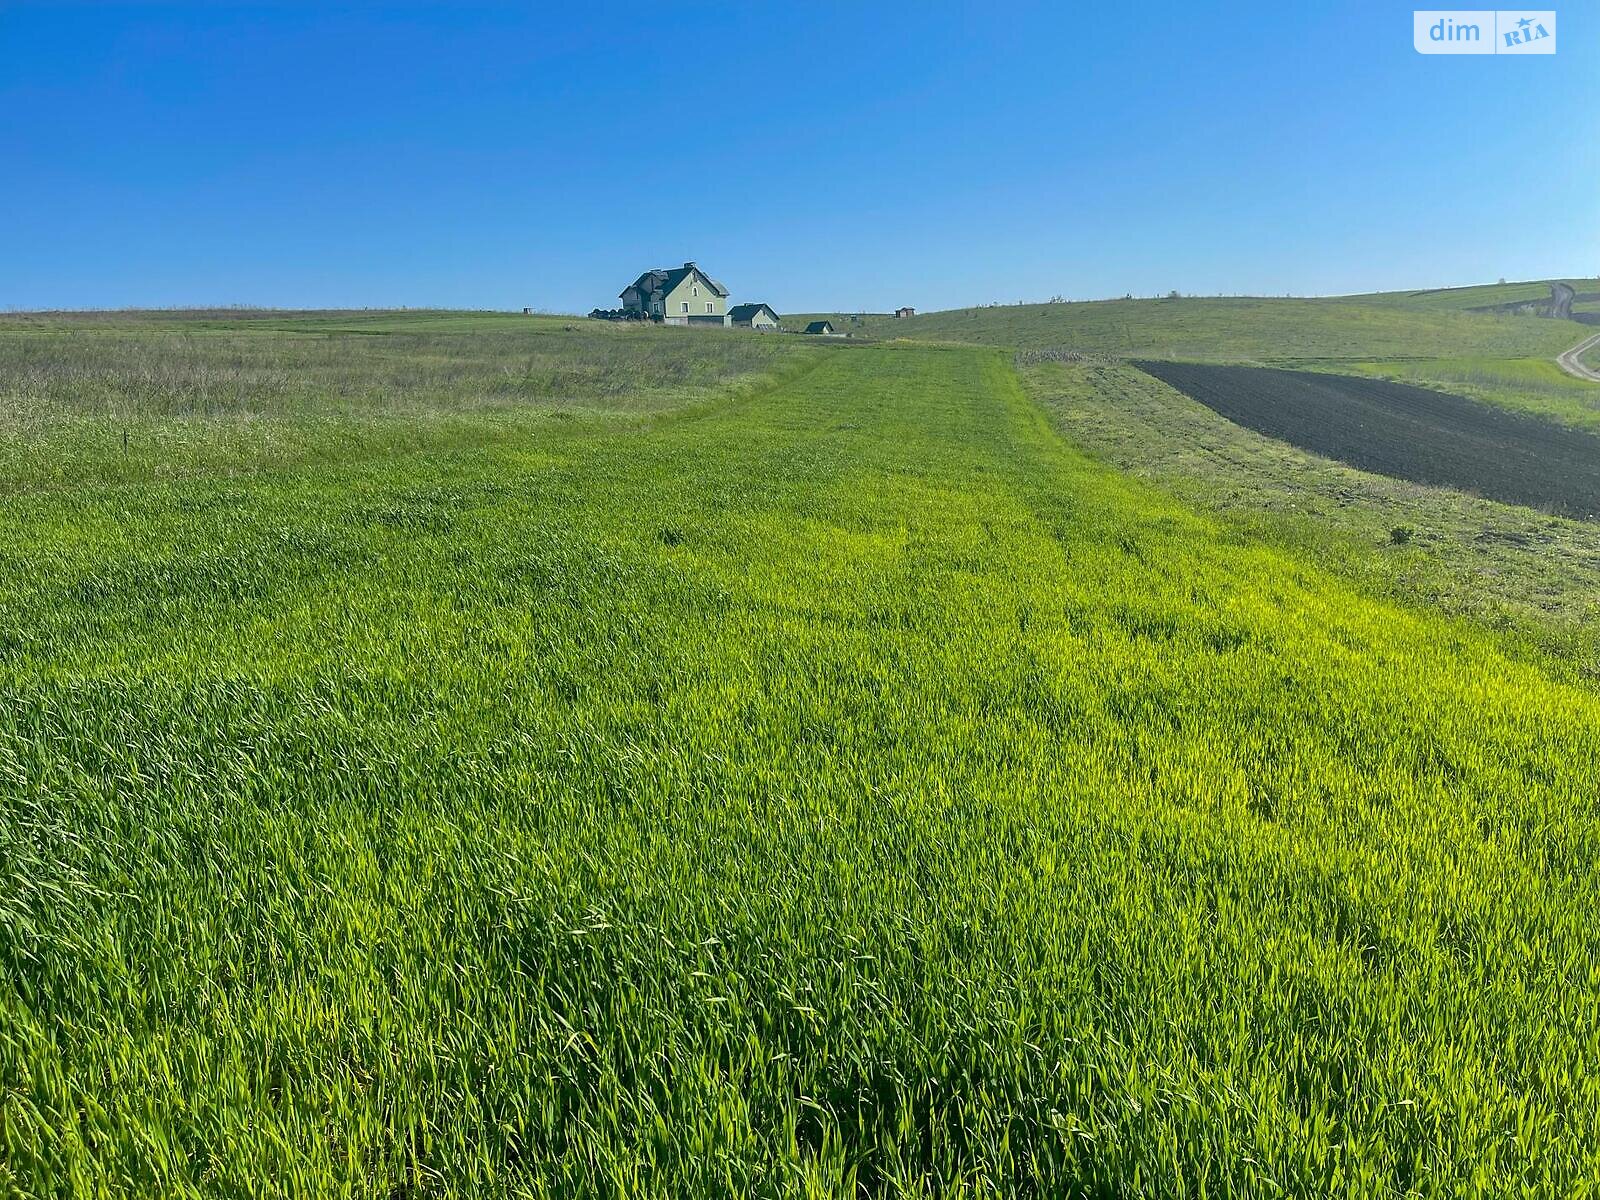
x=1270, y=331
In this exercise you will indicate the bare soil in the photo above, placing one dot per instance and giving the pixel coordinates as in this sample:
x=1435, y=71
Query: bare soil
x=1405, y=432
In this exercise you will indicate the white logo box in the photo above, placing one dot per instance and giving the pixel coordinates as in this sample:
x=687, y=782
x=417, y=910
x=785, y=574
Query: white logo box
x=1483, y=31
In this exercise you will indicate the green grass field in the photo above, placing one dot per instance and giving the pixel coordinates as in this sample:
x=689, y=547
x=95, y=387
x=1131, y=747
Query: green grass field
x=1533, y=385
x=99, y=397
x=450, y=755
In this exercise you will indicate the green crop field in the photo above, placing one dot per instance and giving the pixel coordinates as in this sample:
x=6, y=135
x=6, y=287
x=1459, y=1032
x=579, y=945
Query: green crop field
x=448, y=754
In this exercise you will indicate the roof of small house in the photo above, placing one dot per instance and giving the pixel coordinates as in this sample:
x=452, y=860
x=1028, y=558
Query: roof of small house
x=820, y=327
x=664, y=279
x=743, y=312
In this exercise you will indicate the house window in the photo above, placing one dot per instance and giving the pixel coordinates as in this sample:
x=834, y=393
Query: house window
x=709, y=306
x=696, y=291
x=685, y=306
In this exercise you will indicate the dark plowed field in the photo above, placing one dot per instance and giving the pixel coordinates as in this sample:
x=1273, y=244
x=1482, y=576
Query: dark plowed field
x=1408, y=432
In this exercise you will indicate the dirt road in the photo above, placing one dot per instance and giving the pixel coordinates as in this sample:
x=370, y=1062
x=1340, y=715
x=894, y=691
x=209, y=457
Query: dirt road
x=1561, y=297
x=1571, y=361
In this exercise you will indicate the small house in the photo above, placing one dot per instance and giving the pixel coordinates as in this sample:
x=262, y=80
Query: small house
x=753, y=316
x=824, y=328
x=907, y=311
x=683, y=295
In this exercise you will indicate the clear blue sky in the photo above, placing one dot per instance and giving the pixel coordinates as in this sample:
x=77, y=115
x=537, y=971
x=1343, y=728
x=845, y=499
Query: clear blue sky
x=814, y=156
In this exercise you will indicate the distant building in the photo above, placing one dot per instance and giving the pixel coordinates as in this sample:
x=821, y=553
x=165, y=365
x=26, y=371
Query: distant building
x=907, y=311
x=753, y=316
x=683, y=295
x=825, y=328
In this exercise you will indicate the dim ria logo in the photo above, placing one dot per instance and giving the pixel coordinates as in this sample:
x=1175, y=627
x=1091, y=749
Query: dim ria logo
x=1486, y=32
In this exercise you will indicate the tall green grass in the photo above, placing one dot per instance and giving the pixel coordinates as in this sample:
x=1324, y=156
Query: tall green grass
x=844, y=788
x=87, y=398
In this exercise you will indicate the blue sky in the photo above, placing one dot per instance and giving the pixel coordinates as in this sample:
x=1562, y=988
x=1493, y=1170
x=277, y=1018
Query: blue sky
x=814, y=156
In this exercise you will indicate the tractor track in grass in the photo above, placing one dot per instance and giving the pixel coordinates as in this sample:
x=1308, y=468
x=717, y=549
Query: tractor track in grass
x=1405, y=432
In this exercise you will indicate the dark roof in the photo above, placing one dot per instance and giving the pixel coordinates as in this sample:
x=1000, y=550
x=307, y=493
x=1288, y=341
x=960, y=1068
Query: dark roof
x=664, y=279
x=743, y=312
x=819, y=327
x=649, y=282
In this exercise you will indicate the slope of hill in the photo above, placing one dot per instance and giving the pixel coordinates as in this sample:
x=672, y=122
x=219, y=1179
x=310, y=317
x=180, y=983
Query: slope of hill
x=1429, y=337
x=1475, y=297
x=1272, y=331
